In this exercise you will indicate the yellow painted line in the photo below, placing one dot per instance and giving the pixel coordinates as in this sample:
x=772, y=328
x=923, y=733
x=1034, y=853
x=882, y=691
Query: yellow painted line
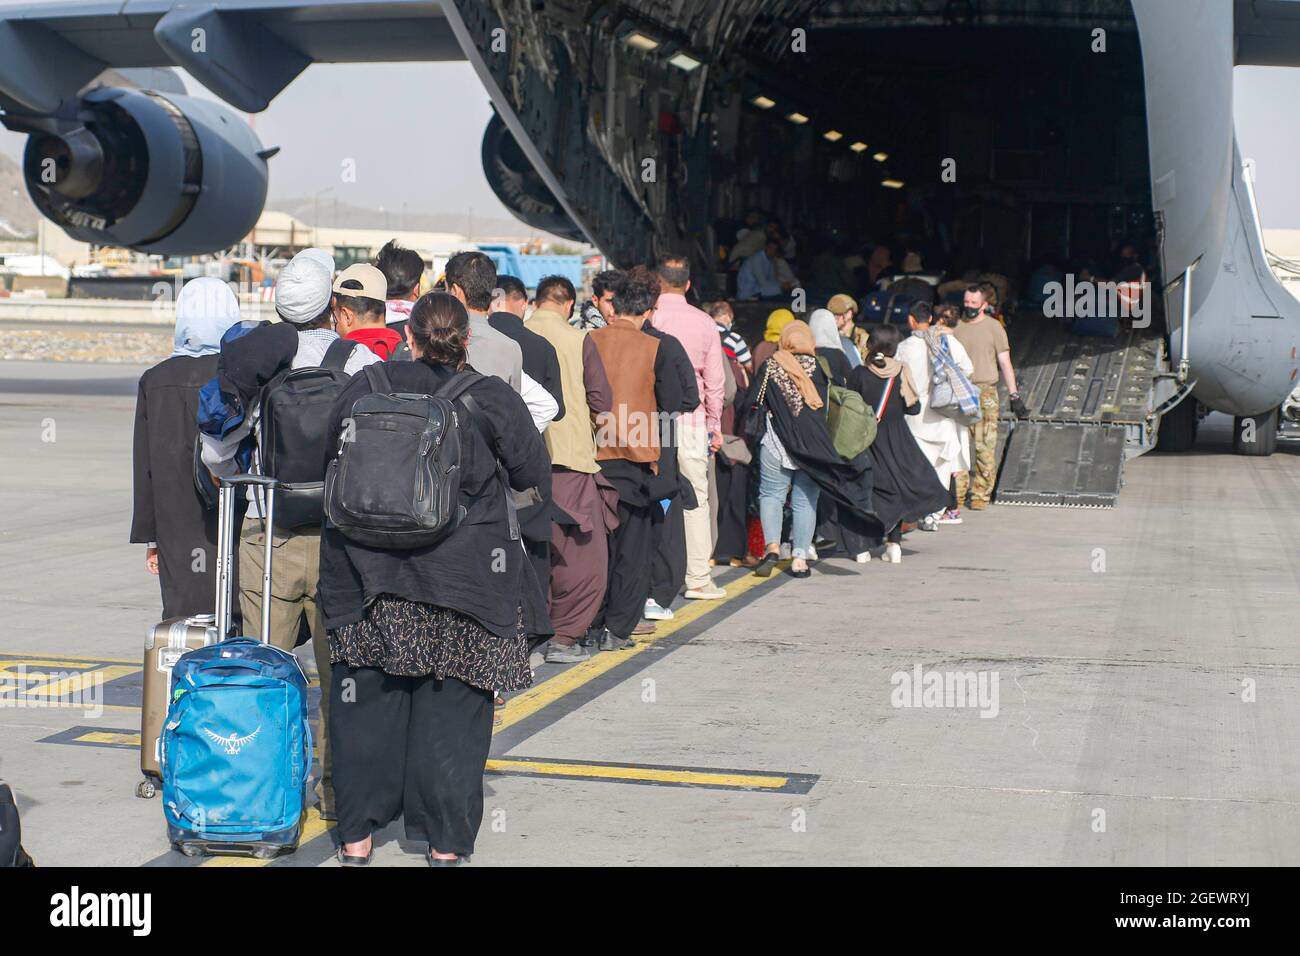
x=532, y=700
x=657, y=775
x=312, y=827
x=55, y=660
x=76, y=683
x=104, y=737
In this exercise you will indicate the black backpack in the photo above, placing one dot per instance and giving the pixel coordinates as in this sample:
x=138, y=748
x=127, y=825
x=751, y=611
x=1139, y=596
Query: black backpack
x=395, y=483
x=403, y=351
x=296, y=437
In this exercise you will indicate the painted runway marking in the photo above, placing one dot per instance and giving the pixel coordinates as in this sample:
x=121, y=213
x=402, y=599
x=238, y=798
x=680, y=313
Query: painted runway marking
x=654, y=774
x=589, y=677
x=710, y=778
x=547, y=692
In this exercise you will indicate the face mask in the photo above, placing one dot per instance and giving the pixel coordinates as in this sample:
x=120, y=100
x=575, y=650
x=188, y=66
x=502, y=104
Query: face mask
x=970, y=313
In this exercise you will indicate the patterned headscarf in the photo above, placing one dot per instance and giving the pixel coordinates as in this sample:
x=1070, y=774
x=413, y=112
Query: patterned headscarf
x=792, y=367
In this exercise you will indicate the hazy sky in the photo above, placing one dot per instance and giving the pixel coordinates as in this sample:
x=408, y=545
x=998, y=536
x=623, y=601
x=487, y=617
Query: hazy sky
x=414, y=131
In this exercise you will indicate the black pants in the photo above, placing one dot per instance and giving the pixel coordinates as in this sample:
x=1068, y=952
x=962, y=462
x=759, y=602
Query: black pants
x=630, y=560
x=668, y=570
x=413, y=747
x=733, y=532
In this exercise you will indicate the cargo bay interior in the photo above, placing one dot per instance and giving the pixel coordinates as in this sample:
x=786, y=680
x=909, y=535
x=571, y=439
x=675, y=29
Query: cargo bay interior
x=993, y=146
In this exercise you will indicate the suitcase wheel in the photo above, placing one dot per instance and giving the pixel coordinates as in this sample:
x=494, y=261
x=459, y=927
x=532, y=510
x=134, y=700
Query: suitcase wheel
x=146, y=789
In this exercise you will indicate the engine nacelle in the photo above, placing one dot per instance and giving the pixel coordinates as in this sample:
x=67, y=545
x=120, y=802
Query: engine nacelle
x=157, y=173
x=519, y=187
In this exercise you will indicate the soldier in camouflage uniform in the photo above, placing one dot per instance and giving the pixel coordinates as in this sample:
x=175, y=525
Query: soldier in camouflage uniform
x=985, y=341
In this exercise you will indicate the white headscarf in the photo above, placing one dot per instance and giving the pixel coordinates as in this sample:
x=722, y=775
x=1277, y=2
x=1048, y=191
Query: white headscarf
x=825, y=332
x=205, y=309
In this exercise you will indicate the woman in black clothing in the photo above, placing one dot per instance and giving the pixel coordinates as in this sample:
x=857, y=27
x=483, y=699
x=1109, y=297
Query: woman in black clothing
x=830, y=348
x=420, y=638
x=834, y=364
x=906, y=487
x=169, y=516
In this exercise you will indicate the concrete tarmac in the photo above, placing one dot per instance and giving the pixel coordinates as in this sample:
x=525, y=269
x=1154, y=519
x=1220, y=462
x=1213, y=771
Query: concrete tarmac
x=1139, y=665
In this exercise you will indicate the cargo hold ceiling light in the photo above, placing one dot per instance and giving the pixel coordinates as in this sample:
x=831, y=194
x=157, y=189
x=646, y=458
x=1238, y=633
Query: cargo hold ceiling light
x=880, y=157
x=640, y=41
x=797, y=118
x=892, y=183
x=832, y=135
x=762, y=102
x=684, y=61
x=859, y=147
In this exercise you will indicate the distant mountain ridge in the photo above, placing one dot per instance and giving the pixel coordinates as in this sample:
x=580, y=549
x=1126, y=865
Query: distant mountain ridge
x=347, y=216
x=18, y=216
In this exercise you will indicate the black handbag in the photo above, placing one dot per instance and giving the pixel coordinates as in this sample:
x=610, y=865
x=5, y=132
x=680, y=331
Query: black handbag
x=756, y=415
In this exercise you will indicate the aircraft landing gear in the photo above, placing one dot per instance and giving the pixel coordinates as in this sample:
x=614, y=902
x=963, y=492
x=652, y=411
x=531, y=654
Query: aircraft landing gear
x=1178, y=427
x=1255, y=435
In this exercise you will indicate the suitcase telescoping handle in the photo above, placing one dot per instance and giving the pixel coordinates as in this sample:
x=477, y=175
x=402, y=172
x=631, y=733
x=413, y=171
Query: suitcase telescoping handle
x=226, y=540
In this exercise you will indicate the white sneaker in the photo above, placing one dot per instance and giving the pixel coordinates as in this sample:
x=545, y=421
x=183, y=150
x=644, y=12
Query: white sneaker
x=653, y=612
x=863, y=557
x=812, y=552
x=930, y=523
x=894, y=553
x=784, y=553
x=710, y=592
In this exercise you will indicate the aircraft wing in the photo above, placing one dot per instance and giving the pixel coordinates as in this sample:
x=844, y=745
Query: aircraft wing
x=244, y=51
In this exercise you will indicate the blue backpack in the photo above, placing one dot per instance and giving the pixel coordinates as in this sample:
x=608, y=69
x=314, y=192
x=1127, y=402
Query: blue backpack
x=236, y=750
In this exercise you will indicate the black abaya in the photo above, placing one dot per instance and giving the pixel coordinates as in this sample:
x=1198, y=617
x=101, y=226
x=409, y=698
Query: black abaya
x=167, y=505
x=807, y=441
x=906, y=487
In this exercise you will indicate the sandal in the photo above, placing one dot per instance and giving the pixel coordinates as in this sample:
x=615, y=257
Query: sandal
x=435, y=861
x=348, y=859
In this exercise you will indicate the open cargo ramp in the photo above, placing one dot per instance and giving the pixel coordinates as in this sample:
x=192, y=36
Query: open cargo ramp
x=1091, y=404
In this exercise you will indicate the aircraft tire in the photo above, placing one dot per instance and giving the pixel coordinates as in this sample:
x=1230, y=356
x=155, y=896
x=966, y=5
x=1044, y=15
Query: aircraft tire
x=1178, y=427
x=1264, y=429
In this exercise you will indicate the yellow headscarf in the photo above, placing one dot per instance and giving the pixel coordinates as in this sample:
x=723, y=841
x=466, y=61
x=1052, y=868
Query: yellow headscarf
x=776, y=321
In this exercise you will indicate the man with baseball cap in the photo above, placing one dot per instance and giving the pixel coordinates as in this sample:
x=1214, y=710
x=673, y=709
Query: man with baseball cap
x=304, y=298
x=360, y=309
x=844, y=307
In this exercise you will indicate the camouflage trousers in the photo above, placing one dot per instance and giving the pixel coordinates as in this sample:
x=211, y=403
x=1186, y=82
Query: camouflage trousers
x=984, y=448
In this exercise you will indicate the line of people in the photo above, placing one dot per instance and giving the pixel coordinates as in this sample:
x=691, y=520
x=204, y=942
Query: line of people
x=604, y=437
x=625, y=431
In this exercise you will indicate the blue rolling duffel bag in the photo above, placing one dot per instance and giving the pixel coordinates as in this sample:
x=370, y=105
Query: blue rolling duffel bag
x=236, y=747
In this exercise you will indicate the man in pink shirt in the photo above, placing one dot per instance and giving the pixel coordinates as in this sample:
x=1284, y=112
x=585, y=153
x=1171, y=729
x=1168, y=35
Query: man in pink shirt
x=699, y=432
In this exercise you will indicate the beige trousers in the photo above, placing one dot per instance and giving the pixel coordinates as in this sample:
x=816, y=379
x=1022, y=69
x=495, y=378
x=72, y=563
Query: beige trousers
x=295, y=573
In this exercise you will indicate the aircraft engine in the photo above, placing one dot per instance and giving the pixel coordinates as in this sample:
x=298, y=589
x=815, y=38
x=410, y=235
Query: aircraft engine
x=157, y=173
x=518, y=185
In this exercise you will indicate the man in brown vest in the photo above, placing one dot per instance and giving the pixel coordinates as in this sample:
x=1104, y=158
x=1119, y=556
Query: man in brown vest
x=627, y=449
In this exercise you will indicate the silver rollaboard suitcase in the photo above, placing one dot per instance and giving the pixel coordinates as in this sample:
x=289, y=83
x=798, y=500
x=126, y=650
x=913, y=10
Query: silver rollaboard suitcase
x=166, y=642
